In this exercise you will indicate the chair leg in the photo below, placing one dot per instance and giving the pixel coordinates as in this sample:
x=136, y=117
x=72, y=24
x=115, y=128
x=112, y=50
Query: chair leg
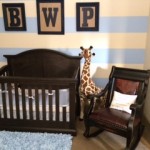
x=133, y=141
x=127, y=149
x=128, y=144
x=86, y=132
x=96, y=133
x=141, y=130
x=81, y=108
x=132, y=145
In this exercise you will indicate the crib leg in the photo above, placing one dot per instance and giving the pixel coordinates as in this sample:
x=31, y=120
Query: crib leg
x=81, y=109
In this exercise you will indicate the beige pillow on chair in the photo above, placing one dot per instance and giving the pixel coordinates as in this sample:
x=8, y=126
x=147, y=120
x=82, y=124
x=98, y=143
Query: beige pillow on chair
x=122, y=101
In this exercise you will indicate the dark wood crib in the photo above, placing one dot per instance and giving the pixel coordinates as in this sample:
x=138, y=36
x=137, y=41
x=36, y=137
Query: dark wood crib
x=39, y=92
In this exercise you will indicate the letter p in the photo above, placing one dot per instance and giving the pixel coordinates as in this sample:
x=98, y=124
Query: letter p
x=87, y=14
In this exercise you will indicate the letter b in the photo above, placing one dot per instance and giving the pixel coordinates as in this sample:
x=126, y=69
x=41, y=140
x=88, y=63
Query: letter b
x=14, y=17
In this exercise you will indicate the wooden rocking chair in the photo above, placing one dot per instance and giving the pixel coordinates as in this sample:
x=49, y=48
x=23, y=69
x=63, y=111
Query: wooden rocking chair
x=124, y=100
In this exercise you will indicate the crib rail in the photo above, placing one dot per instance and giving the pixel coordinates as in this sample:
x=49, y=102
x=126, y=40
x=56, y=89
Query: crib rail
x=28, y=104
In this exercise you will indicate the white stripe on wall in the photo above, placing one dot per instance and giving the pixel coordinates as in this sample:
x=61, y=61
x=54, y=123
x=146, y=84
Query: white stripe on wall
x=74, y=40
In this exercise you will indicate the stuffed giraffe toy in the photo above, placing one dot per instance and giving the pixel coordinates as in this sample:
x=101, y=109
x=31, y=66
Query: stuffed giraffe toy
x=87, y=86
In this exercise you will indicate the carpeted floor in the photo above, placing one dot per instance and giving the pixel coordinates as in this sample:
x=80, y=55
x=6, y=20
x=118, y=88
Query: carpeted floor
x=40, y=141
x=106, y=141
x=34, y=141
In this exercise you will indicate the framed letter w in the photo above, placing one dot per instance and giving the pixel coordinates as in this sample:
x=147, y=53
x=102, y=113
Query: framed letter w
x=50, y=15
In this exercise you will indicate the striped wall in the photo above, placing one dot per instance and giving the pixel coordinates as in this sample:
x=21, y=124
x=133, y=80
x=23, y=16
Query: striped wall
x=120, y=41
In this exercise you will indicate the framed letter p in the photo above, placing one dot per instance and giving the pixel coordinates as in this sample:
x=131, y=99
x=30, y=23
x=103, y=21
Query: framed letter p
x=87, y=16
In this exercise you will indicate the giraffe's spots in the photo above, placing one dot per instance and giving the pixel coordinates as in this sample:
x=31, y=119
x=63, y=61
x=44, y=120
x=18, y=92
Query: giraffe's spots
x=85, y=78
x=84, y=86
x=82, y=81
x=85, y=72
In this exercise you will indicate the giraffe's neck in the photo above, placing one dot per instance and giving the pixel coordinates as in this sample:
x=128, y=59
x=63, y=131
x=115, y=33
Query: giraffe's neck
x=86, y=67
x=86, y=72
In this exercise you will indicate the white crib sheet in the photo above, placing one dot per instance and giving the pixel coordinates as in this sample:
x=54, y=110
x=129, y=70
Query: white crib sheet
x=63, y=102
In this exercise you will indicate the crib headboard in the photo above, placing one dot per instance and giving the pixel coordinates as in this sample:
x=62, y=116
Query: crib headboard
x=45, y=63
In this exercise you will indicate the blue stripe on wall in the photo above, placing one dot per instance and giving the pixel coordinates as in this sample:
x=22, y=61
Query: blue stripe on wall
x=2, y=25
x=124, y=24
x=125, y=56
x=106, y=25
x=100, y=82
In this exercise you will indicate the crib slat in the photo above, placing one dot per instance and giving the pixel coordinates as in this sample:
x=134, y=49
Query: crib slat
x=37, y=104
x=43, y=104
x=1, y=102
x=17, y=101
x=4, y=100
x=50, y=104
x=64, y=114
x=24, y=103
x=30, y=104
x=72, y=94
x=10, y=88
x=57, y=105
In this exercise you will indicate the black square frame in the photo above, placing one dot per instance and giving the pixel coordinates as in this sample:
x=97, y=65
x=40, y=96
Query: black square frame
x=14, y=16
x=87, y=16
x=50, y=16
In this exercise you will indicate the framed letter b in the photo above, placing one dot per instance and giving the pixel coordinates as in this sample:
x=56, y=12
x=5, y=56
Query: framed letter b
x=14, y=16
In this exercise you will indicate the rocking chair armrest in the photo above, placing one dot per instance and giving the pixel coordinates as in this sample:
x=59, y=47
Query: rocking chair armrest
x=136, y=106
x=91, y=100
x=136, y=112
x=140, y=99
x=135, y=116
x=136, y=109
x=102, y=93
x=92, y=96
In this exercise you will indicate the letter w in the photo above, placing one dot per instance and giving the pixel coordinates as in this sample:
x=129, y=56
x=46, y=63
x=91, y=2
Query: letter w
x=50, y=16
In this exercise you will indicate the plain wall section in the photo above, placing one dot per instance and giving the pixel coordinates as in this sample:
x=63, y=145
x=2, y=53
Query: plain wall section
x=147, y=66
